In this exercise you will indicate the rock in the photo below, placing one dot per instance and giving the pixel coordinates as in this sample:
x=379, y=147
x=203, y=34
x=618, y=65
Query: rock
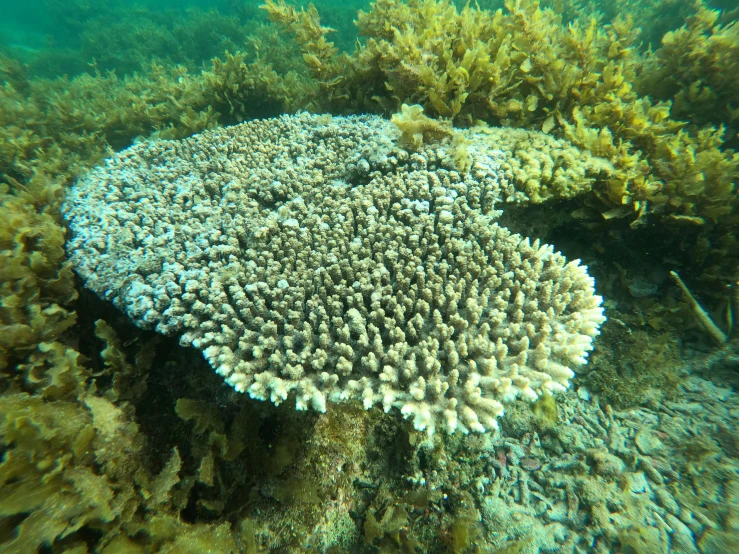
x=719, y=542
x=647, y=442
x=683, y=540
x=605, y=464
x=669, y=503
x=638, y=483
x=530, y=464
x=655, y=476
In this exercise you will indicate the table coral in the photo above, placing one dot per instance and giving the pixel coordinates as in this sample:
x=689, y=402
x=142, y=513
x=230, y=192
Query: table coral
x=314, y=257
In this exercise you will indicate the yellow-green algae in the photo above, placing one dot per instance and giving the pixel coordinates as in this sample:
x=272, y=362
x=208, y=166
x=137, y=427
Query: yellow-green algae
x=523, y=66
x=75, y=461
x=697, y=65
x=35, y=280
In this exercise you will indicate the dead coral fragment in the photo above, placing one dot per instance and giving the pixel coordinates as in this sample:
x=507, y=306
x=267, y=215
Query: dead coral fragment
x=706, y=321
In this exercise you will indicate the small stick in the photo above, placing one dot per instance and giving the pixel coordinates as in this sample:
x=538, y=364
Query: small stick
x=702, y=315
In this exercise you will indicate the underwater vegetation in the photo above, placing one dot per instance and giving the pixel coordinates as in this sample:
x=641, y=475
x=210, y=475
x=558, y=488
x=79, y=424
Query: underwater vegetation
x=523, y=67
x=113, y=440
x=71, y=37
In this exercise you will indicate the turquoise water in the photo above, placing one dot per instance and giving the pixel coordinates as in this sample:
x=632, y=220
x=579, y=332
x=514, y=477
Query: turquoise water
x=60, y=37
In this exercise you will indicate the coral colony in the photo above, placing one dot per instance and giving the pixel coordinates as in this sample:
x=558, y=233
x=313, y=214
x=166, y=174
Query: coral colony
x=311, y=255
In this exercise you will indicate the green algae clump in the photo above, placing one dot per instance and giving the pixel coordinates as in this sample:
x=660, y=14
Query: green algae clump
x=545, y=411
x=36, y=283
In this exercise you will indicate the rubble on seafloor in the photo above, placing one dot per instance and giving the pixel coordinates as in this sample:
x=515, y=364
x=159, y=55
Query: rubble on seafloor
x=659, y=478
